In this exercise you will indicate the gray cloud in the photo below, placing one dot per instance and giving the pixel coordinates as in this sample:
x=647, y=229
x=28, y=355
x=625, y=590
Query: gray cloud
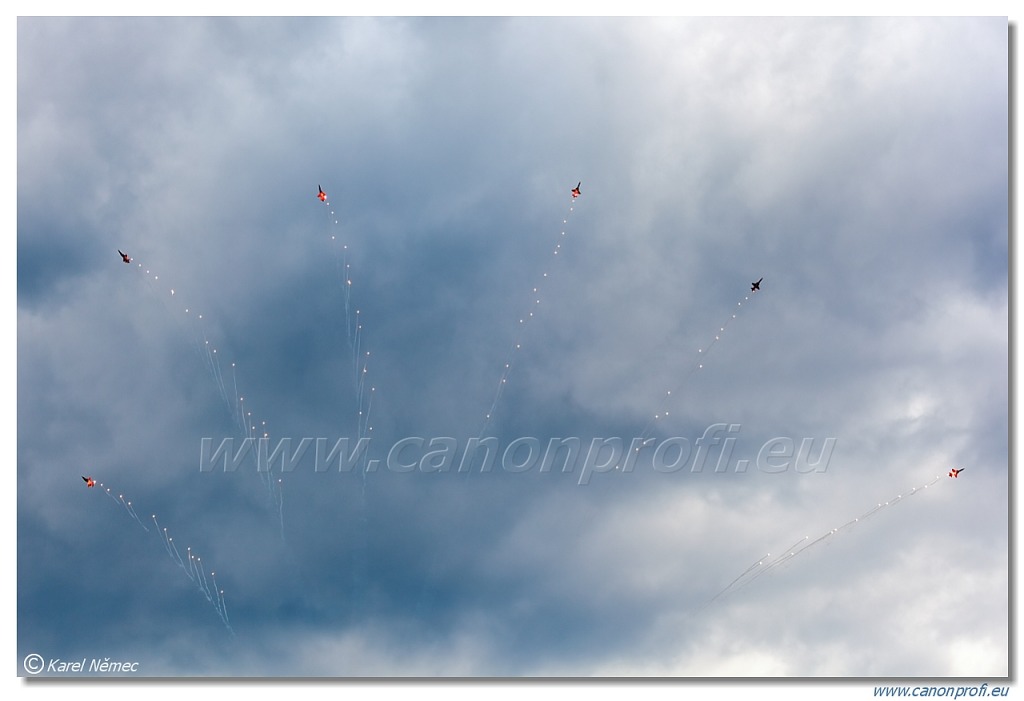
x=858, y=165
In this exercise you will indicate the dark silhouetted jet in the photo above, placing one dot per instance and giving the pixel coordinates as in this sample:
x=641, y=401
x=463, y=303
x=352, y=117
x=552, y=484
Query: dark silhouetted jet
x=755, y=286
x=124, y=256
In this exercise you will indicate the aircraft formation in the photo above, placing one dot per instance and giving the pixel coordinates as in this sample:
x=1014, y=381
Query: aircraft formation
x=216, y=596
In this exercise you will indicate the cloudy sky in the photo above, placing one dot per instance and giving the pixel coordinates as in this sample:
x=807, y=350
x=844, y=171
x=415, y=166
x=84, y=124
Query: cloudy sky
x=859, y=166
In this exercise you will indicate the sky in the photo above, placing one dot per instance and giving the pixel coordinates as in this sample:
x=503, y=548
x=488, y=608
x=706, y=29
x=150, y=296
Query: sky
x=788, y=512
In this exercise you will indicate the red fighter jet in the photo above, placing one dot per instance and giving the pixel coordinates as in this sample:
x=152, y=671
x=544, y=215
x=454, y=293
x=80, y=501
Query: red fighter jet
x=322, y=195
x=955, y=472
x=576, y=190
x=89, y=481
x=124, y=256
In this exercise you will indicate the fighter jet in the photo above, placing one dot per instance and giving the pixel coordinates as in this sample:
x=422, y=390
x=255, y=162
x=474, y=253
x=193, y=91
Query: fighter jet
x=124, y=256
x=755, y=286
x=576, y=190
x=955, y=472
x=89, y=481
